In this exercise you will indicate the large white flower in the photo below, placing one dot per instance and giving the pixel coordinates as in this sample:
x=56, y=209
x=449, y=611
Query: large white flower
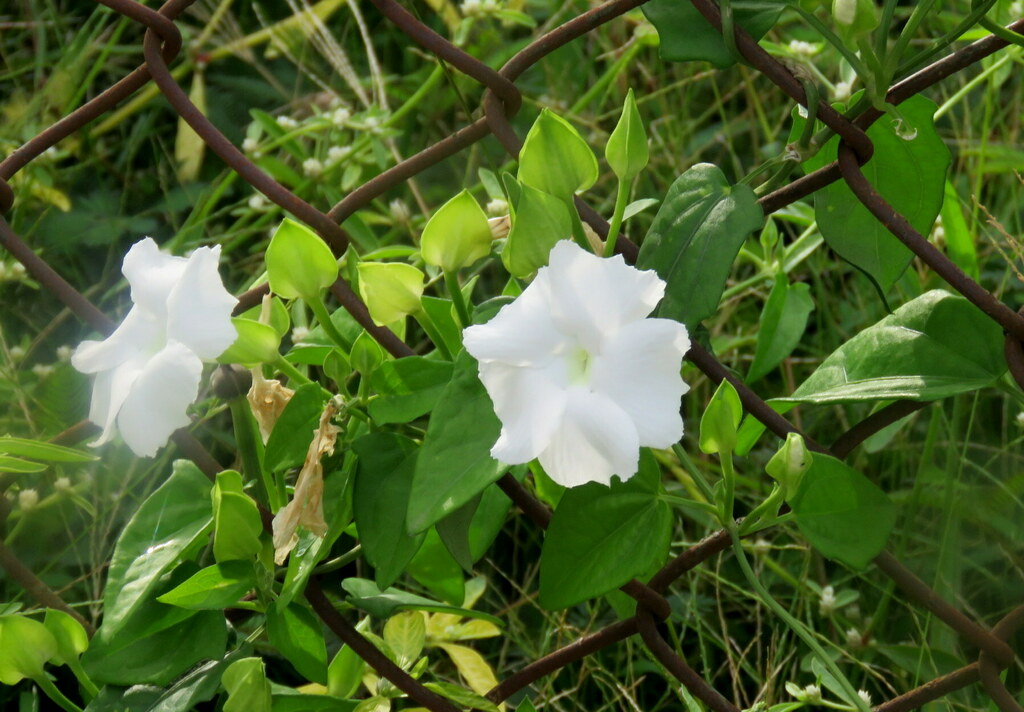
x=148, y=370
x=578, y=376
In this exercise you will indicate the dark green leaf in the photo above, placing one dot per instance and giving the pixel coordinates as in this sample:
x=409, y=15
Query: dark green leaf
x=783, y=321
x=455, y=462
x=462, y=696
x=382, y=604
x=296, y=633
x=293, y=432
x=932, y=347
x=407, y=388
x=435, y=568
x=850, y=229
x=37, y=450
x=215, y=587
x=841, y=512
x=694, y=239
x=686, y=36
x=381, y=499
x=236, y=520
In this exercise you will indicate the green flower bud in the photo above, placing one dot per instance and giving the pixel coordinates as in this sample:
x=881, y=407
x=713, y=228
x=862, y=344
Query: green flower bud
x=788, y=465
x=391, y=290
x=721, y=420
x=626, y=150
x=457, y=235
x=299, y=263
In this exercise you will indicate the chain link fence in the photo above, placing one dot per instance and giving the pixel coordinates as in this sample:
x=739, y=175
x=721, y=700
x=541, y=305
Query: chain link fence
x=502, y=99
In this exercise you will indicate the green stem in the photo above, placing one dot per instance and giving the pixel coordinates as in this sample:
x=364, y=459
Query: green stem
x=451, y=281
x=577, y=229
x=427, y=324
x=695, y=474
x=83, y=679
x=829, y=36
x=249, y=447
x=54, y=694
x=796, y=626
x=728, y=489
x=686, y=503
x=294, y=374
x=621, y=198
x=324, y=317
x=771, y=502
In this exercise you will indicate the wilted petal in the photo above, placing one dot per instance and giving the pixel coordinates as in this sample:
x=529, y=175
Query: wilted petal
x=522, y=333
x=152, y=275
x=595, y=440
x=135, y=336
x=199, y=308
x=639, y=371
x=592, y=297
x=155, y=406
x=529, y=402
x=267, y=399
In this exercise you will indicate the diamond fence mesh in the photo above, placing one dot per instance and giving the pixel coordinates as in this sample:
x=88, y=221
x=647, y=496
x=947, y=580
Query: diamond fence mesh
x=502, y=99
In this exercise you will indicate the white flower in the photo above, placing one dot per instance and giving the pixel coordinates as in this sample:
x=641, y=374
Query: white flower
x=578, y=376
x=148, y=370
x=42, y=369
x=28, y=499
x=62, y=484
x=312, y=167
x=250, y=145
x=64, y=353
x=827, y=602
x=341, y=116
x=338, y=153
x=865, y=696
x=257, y=202
x=287, y=122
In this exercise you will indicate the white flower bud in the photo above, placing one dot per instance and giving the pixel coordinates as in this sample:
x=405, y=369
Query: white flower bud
x=853, y=638
x=497, y=208
x=312, y=167
x=18, y=353
x=336, y=154
x=258, y=202
x=399, y=210
x=64, y=353
x=299, y=333
x=287, y=122
x=827, y=603
x=62, y=484
x=16, y=270
x=250, y=145
x=864, y=695
x=812, y=694
x=340, y=117
x=500, y=227
x=804, y=49
x=42, y=369
x=842, y=91
x=28, y=499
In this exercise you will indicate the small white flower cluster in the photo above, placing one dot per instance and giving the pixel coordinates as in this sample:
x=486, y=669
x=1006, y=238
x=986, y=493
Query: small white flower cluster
x=337, y=154
x=497, y=207
x=478, y=8
x=28, y=499
x=12, y=272
x=287, y=122
x=399, y=210
x=827, y=601
x=249, y=145
x=804, y=49
x=258, y=202
x=809, y=695
x=312, y=167
x=340, y=116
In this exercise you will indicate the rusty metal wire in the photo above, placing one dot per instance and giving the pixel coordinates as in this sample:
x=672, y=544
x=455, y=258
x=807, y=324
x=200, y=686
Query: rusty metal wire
x=501, y=101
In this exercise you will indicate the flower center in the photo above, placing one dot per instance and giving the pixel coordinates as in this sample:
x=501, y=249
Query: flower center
x=579, y=366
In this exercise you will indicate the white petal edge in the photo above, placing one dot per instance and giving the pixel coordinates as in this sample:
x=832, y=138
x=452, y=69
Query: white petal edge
x=134, y=337
x=109, y=392
x=595, y=440
x=156, y=405
x=199, y=307
x=592, y=297
x=152, y=275
x=521, y=333
x=639, y=371
x=529, y=402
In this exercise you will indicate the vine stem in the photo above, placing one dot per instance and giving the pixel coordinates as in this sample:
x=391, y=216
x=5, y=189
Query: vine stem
x=796, y=626
x=47, y=686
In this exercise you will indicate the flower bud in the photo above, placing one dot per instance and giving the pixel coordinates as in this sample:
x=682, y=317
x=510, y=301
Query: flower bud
x=62, y=484
x=230, y=382
x=788, y=465
x=626, y=149
x=721, y=420
x=391, y=290
x=457, y=235
x=299, y=264
x=827, y=601
x=28, y=499
x=312, y=167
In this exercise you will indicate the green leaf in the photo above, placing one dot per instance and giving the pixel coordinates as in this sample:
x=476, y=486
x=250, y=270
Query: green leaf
x=539, y=220
x=247, y=686
x=850, y=229
x=782, y=323
x=455, y=463
x=391, y=290
x=236, y=520
x=454, y=532
x=293, y=432
x=345, y=673
x=461, y=696
x=215, y=587
x=435, y=568
x=256, y=343
x=25, y=647
x=48, y=452
x=442, y=316
x=959, y=238
x=299, y=263
x=199, y=685
x=408, y=388
x=932, y=347
x=555, y=158
x=72, y=640
x=383, y=604
x=686, y=36
x=694, y=239
x=367, y=354
x=405, y=633
x=601, y=537
x=279, y=318
x=721, y=420
x=296, y=633
x=457, y=235
x=626, y=149
x=380, y=500
x=842, y=513
x=16, y=465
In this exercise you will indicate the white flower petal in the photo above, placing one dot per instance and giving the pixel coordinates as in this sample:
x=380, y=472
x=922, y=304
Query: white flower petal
x=522, y=333
x=639, y=371
x=199, y=308
x=109, y=392
x=592, y=297
x=595, y=440
x=136, y=335
x=529, y=403
x=152, y=275
x=156, y=405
